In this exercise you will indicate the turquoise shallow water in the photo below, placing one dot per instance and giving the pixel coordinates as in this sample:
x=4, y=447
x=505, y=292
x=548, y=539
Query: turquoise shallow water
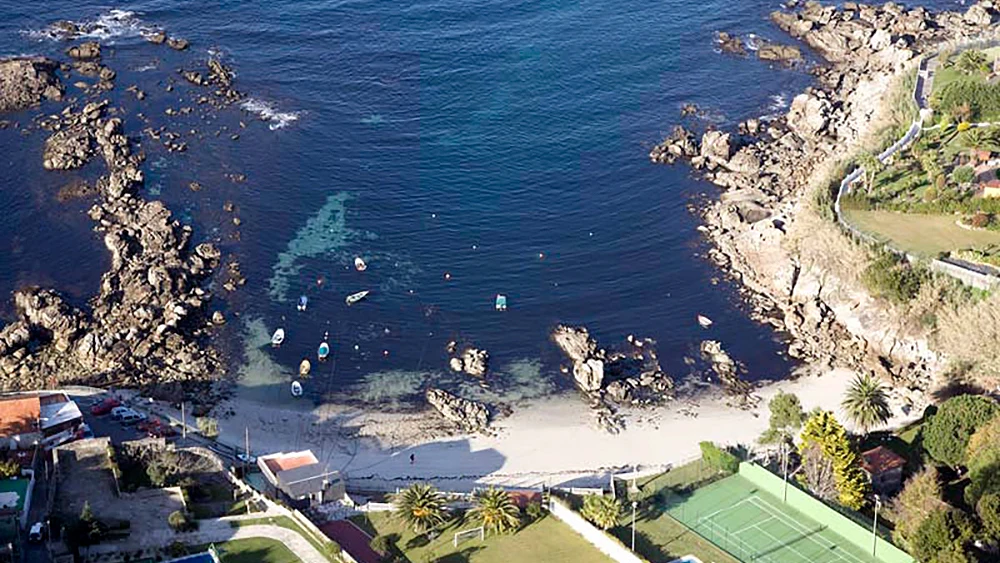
x=464, y=148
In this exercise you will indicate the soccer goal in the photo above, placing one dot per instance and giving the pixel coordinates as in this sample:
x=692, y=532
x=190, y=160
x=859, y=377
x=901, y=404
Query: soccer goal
x=465, y=535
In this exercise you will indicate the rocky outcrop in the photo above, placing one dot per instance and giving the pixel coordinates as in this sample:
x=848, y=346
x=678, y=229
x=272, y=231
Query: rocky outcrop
x=470, y=416
x=472, y=361
x=631, y=376
x=25, y=81
x=85, y=51
x=762, y=224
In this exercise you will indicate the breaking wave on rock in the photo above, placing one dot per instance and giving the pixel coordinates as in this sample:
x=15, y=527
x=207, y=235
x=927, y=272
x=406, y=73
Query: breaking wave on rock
x=269, y=113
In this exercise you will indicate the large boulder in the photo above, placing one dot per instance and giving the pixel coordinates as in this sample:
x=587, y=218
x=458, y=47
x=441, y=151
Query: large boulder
x=471, y=416
x=25, y=81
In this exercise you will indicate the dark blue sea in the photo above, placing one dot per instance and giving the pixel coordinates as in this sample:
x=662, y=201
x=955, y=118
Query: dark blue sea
x=463, y=148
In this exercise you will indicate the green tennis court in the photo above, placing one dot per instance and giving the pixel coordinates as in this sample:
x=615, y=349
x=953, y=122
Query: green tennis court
x=754, y=526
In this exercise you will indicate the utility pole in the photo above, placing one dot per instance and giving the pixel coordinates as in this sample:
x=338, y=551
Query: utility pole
x=878, y=504
x=634, y=504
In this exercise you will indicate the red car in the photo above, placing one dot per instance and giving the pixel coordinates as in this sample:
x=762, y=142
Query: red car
x=105, y=406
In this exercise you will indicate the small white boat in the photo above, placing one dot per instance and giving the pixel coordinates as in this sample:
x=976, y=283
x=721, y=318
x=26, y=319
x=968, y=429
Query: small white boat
x=296, y=389
x=359, y=264
x=355, y=297
x=704, y=321
x=304, y=368
x=278, y=337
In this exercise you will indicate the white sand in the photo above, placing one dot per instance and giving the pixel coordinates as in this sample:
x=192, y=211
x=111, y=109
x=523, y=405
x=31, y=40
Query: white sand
x=551, y=442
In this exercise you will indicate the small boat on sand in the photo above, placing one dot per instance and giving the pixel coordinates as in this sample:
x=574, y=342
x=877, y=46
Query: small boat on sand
x=303, y=303
x=304, y=368
x=355, y=297
x=324, y=349
x=296, y=389
x=278, y=337
x=704, y=321
x=359, y=264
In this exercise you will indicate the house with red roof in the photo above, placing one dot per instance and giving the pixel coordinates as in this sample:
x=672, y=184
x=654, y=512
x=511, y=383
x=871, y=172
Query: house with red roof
x=884, y=468
x=299, y=479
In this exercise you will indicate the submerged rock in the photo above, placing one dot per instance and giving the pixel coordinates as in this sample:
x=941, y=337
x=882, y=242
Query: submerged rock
x=471, y=416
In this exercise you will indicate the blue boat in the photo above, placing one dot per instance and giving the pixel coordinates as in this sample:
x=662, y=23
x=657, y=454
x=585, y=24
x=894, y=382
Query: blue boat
x=303, y=303
x=324, y=348
x=501, y=303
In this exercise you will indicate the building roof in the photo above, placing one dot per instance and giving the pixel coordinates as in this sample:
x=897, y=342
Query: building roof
x=306, y=480
x=881, y=459
x=19, y=415
x=284, y=462
x=57, y=409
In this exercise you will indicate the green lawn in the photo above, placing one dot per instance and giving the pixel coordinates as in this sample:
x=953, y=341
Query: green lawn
x=323, y=545
x=546, y=540
x=660, y=538
x=924, y=235
x=256, y=550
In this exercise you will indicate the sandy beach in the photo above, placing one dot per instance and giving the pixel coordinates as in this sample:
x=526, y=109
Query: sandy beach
x=548, y=442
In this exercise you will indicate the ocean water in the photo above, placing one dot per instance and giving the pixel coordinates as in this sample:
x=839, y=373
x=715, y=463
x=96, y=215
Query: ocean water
x=463, y=148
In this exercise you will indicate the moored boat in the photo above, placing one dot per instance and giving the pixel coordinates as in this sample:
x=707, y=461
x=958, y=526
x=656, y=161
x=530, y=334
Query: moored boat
x=355, y=297
x=278, y=337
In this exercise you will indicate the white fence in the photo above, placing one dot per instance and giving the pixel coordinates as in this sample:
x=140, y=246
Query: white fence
x=602, y=541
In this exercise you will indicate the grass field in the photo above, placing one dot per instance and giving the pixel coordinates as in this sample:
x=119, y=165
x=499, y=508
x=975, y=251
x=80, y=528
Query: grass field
x=756, y=526
x=924, y=235
x=255, y=550
x=546, y=540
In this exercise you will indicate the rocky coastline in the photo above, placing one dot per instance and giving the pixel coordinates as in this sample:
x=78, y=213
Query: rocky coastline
x=150, y=324
x=766, y=229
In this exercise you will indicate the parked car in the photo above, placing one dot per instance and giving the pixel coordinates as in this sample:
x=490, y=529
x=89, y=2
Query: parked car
x=117, y=412
x=132, y=417
x=37, y=532
x=105, y=406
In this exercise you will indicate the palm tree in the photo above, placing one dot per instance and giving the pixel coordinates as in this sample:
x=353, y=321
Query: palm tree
x=496, y=511
x=603, y=511
x=420, y=506
x=866, y=403
x=872, y=166
x=971, y=61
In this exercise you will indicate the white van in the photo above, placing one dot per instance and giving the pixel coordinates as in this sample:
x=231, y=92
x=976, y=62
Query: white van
x=131, y=417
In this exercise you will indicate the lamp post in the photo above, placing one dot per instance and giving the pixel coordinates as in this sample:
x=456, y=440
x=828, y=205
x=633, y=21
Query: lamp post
x=634, y=504
x=878, y=504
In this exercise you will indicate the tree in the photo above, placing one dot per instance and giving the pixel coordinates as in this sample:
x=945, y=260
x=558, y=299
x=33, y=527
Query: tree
x=988, y=509
x=823, y=431
x=420, y=506
x=817, y=473
x=718, y=459
x=603, y=511
x=971, y=61
x=963, y=175
x=946, y=435
x=496, y=511
x=866, y=403
x=9, y=468
x=943, y=536
x=921, y=495
x=786, y=419
x=872, y=166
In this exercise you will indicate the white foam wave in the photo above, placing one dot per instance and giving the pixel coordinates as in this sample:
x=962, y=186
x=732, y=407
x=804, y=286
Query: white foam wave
x=112, y=24
x=269, y=113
